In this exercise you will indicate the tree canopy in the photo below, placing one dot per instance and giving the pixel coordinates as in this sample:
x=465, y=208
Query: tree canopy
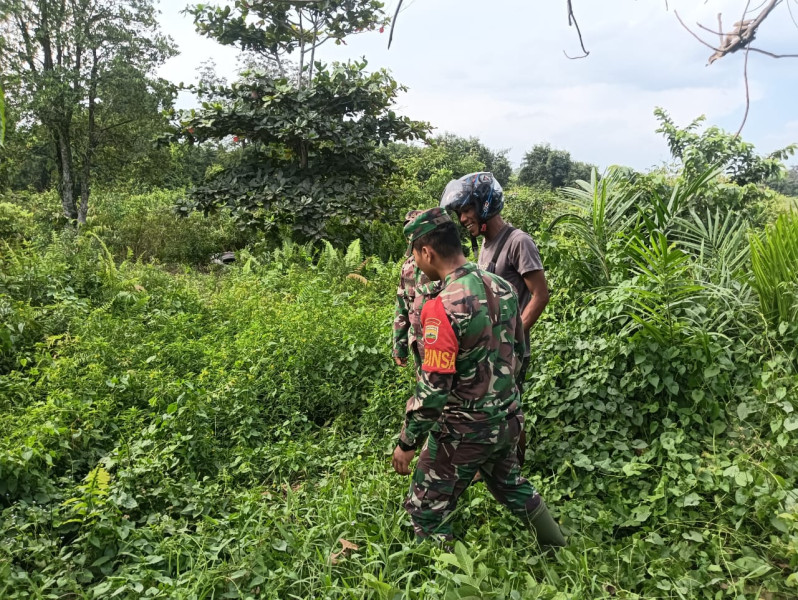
x=84, y=71
x=307, y=145
x=550, y=168
x=713, y=146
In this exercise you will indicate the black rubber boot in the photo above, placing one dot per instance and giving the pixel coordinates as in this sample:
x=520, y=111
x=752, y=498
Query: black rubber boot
x=545, y=527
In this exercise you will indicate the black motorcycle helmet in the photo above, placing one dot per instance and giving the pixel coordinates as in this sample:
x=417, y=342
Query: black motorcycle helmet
x=480, y=190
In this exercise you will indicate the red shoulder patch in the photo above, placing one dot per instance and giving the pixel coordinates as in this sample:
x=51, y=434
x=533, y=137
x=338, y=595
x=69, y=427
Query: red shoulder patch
x=440, y=342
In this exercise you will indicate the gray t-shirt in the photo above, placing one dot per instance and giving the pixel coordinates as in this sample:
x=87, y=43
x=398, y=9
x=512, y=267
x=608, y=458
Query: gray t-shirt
x=519, y=256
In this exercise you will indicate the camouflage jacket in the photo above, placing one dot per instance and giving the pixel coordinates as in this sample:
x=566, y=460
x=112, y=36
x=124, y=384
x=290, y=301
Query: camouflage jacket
x=410, y=296
x=474, y=345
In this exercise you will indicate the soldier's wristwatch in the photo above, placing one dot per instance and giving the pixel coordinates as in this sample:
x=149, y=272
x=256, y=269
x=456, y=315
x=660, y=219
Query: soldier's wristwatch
x=405, y=447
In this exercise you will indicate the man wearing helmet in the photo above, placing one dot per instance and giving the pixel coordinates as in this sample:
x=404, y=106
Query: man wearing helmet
x=478, y=199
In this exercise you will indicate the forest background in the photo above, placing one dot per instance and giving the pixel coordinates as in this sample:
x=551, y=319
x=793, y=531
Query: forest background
x=177, y=427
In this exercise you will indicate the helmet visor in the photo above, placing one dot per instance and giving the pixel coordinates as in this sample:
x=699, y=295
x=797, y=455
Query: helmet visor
x=456, y=193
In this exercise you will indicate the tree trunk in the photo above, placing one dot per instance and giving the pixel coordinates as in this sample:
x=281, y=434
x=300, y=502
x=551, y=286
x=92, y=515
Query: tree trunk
x=66, y=184
x=91, y=144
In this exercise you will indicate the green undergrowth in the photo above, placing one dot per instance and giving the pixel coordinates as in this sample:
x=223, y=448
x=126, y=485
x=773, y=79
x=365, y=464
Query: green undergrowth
x=227, y=434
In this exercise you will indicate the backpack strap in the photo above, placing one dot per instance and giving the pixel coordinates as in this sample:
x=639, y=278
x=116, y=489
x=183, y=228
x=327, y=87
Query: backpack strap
x=490, y=297
x=491, y=268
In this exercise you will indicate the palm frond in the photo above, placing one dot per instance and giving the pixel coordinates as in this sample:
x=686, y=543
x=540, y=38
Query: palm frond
x=718, y=242
x=774, y=263
x=601, y=211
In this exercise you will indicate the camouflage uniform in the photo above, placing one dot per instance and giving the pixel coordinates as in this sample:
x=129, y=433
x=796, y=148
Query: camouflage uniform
x=413, y=289
x=407, y=312
x=467, y=399
x=413, y=285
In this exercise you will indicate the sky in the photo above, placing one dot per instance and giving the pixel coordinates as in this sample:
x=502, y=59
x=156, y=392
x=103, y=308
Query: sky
x=497, y=70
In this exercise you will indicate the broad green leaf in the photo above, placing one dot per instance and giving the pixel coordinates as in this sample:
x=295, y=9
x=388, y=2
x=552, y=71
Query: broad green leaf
x=655, y=539
x=641, y=513
x=743, y=410
x=743, y=478
x=449, y=559
x=463, y=558
x=693, y=535
x=751, y=566
x=691, y=499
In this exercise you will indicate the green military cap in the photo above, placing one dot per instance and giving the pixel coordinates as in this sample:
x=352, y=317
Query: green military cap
x=423, y=223
x=411, y=214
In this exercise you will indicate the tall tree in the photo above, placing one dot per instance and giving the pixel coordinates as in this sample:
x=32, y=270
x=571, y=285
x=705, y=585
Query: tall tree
x=66, y=58
x=713, y=146
x=547, y=167
x=308, y=136
x=277, y=29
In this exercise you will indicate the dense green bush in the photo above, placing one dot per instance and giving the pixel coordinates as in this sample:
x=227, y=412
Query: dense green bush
x=147, y=227
x=16, y=223
x=525, y=207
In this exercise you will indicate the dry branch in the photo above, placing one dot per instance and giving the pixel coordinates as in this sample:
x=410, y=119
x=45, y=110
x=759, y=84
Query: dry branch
x=742, y=33
x=572, y=21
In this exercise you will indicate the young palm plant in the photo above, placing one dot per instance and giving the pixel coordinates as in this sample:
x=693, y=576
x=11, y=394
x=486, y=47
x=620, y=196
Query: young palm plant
x=721, y=256
x=694, y=267
x=601, y=211
x=665, y=295
x=663, y=212
x=774, y=262
x=719, y=243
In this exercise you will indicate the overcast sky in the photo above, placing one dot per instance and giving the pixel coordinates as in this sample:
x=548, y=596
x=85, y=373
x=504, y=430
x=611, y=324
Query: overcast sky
x=496, y=70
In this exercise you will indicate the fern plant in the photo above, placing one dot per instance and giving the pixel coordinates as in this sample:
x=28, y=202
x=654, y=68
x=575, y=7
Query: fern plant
x=349, y=266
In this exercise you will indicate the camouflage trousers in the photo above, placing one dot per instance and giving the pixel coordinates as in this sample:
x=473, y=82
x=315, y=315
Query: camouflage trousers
x=446, y=467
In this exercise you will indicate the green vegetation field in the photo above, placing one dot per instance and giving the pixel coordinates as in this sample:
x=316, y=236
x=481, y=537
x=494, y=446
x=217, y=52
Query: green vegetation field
x=173, y=427
x=176, y=431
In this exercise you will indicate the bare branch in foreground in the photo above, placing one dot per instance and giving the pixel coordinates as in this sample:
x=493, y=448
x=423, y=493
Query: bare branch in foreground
x=572, y=22
x=771, y=55
x=742, y=32
x=393, y=23
x=747, y=93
